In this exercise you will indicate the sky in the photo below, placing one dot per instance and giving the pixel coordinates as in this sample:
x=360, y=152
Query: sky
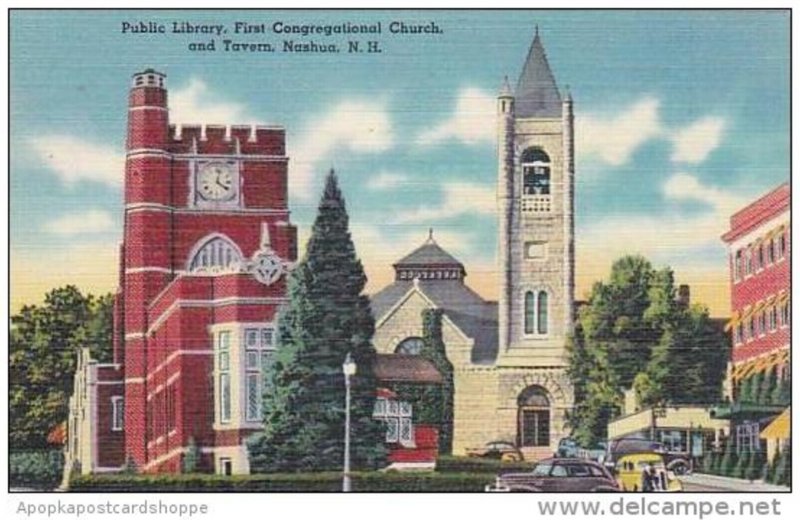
x=682, y=117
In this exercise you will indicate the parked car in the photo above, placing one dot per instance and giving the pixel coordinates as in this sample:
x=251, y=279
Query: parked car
x=645, y=472
x=558, y=475
x=674, y=461
x=569, y=447
x=498, y=450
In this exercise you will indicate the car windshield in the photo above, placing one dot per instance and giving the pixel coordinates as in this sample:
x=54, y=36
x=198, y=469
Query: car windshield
x=542, y=470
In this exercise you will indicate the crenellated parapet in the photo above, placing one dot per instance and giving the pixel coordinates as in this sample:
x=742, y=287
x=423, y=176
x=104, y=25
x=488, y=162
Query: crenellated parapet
x=227, y=139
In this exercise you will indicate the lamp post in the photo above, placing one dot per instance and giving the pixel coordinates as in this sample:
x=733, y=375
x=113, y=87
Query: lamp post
x=349, y=369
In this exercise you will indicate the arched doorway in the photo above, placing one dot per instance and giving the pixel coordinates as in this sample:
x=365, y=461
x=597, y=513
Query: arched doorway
x=533, y=417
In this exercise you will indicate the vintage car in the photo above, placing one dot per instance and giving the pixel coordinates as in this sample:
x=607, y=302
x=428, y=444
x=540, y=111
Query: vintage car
x=645, y=472
x=675, y=462
x=558, y=475
x=499, y=450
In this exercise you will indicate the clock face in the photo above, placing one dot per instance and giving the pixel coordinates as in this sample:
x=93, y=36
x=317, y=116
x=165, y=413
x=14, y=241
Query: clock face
x=217, y=181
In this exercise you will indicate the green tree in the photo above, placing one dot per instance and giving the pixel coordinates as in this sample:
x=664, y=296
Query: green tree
x=755, y=466
x=783, y=471
x=709, y=461
x=740, y=470
x=729, y=459
x=43, y=346
x=433, y=349
x=772, y=465
x=782, y=394
x=635, y=333
x=327, y=317
x=754, y=388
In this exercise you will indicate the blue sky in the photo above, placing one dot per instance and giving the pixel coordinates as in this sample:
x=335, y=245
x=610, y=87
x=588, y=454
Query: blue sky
x=682, y=117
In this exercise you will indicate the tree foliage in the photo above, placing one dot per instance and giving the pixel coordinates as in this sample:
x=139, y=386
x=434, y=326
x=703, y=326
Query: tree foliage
x=43, y=347
x=326, y=318
x=634, y=333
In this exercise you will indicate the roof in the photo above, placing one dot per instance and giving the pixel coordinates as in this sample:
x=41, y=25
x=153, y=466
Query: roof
x=405, y=368
x=474, y=316
x=537, y=93
x=429, y=254
x=780, y=428
x=759, y=211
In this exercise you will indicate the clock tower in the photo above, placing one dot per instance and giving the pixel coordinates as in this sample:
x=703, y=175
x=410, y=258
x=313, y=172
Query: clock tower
x=207, y=243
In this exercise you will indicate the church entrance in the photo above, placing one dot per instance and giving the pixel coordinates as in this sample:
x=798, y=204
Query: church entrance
x=533, y=418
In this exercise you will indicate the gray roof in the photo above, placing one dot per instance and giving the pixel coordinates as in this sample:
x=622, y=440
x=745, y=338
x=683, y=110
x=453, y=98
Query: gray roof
x=429, y=254
x=474, y=316
x=537, y=93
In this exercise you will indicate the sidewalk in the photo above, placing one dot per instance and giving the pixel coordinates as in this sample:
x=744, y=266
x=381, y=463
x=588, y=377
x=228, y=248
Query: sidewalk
x=732, y=484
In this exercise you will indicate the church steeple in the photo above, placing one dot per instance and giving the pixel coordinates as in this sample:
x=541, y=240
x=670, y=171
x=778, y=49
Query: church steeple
x=537, y=93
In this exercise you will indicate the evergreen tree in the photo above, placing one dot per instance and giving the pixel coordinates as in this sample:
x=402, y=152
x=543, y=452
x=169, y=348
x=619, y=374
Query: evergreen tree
x=745, y=394
x=755, y=466
x=782, y=394
x=755, y=386
x=767, y=387
x=729, y=459
x=740, y=470
x=327, y=317
x=433, y=349
x=709, y=461
x=772, y=465
x=783, y=472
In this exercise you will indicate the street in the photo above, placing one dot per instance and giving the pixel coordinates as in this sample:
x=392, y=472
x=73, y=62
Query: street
x=698, y=482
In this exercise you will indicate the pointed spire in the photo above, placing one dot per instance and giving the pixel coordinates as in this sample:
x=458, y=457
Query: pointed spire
x=430, y=237
x=537, y=92
x=505, y=88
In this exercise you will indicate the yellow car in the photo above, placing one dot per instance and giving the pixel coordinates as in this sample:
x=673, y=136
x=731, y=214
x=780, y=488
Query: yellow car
x=645, y=472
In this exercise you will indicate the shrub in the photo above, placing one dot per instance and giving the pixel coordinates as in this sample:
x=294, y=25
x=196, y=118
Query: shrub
x=755, y=466
x=449, y=464
x=286, y=482
x=772, y=466
x=729, y=459
x=39, y=469
x=709, y=461
x=783, y=472
x=740, y=470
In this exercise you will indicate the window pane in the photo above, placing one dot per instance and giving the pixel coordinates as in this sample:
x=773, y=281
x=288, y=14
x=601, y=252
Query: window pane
x=529, y=312
x=224, y=340
x=392, y=430
x=542, y=315
x=251, y=338
x=406, y=431
x=253, y=398
x=252, y=360
x=405, y=409
x=266, y=337
x=394, y=409
x=380, y=407
x=267, y=358
x=224, y=361
x=224, y=397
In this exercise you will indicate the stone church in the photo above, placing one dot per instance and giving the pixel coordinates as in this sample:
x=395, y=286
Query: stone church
x=509, y=356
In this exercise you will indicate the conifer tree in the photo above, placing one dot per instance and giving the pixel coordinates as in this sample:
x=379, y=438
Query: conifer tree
x=433, y=349
x=740, y=470
x=767, y=387
x=327, y=317
x=729, y=460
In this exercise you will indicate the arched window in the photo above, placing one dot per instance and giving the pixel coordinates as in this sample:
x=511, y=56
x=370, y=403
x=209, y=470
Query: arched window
x=411, y=346
x=535, y=172
x=541, y=313
x=533, y=414
x=216, y=254
x=530, y=312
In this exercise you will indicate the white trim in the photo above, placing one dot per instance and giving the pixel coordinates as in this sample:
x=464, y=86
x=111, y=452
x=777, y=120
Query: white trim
x=154, y=206
x=141, y=152
x=107, y=469
x=152, y=269
x=134, y=335
x=148, y=107
x=109, y=383
x=134, y=380
x=410, y=466
x=115, y=399
x=232, y=300
x=172, y=357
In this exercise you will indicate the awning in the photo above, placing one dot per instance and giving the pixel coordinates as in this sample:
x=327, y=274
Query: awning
x=780, y=428
x=760, y=364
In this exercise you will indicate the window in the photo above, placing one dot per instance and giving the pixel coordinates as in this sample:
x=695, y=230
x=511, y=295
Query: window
x=773, y=318
x=785, y=315
x=541, y=313
x=747, y=437
x=117, y=413
x=751, y=332
x=259, y=347
x=533, y=417
x=216, y=254
x=530, y=312
x=410, y=346
x=781, y=245
x=748, y=262
x=225, y=466
x=762, y=323
x=397, y=416
x=535, y=172
x=535, y=250
x=738, y=265
x=760, y=256
x=771, y=251
x=224, y=378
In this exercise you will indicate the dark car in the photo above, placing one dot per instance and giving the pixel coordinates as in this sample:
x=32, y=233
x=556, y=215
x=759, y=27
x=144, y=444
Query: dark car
x=499, y=450
x=559, y=475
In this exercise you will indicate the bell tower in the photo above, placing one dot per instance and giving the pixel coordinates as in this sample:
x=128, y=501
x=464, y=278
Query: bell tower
x=535, y=195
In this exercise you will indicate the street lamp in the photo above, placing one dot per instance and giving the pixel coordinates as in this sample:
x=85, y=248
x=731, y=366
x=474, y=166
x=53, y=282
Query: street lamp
x=349, y=369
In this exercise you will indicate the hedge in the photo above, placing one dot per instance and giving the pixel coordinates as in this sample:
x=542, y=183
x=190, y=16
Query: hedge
x=38, y=469
x=390, y=481
x=479, y=465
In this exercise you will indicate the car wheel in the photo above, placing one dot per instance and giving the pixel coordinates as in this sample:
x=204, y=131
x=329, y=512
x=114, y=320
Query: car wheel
x=680, y=468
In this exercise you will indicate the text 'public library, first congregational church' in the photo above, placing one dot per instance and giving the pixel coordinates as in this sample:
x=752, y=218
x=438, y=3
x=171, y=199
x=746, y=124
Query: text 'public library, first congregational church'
x=208, y=242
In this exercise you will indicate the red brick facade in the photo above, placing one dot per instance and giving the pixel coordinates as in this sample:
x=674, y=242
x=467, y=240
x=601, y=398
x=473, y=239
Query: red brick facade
x=167, y=307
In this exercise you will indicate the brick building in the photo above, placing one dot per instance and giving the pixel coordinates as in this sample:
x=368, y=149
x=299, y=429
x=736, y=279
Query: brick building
x=206, y=243
x=759, y=245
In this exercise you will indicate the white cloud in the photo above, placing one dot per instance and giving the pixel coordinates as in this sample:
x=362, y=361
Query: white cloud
x=460, y=198
x=614, y=138
x=197, y=104
x=353, y=126
x=91, y=221
x=473, y=121
x=694, y=143
x=75, y=160
x=386, y=180
x=683, y=186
